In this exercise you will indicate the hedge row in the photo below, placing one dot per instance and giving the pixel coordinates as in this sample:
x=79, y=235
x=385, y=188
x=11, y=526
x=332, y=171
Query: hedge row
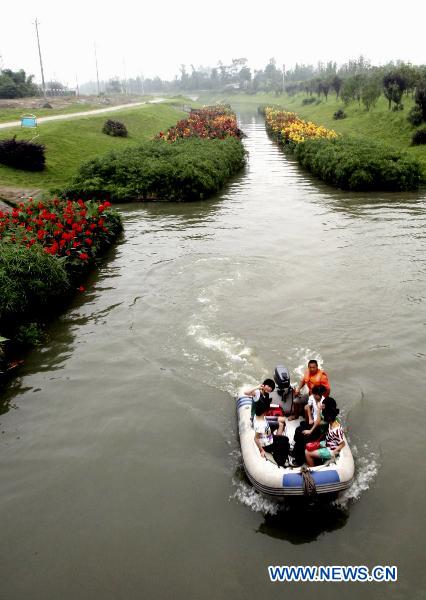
x=345, y=162
x=187, y=169
x=355, y=164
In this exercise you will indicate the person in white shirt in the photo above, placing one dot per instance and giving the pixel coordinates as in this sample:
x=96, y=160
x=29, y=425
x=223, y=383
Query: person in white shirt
x=266, y=441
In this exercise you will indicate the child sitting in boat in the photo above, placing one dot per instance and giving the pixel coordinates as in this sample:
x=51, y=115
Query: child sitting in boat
x=333, y=442
x=261, y=393
x=277, y=445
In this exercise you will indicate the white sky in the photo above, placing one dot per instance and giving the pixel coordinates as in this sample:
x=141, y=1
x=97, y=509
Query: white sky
x=155, y=37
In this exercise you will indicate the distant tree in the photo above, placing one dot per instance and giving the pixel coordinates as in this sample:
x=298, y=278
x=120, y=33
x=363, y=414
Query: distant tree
x=394, y=85
x=325, y=87
x=370, y=93
x=336, y=84
x=244, y=77
x=420, y=96
x=15, y=84
x=349, y=90
x=273, y=76
x=113, y=86
x=183, y=77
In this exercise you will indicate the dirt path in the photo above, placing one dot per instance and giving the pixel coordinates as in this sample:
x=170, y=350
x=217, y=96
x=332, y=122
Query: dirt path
x=86, y=113
x=14, y=195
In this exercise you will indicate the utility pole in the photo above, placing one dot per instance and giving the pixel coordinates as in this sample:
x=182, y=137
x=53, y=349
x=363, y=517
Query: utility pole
x=41, y=62
x=97, y=71
x=125, y=77
x=283, y=76
x=76, y=86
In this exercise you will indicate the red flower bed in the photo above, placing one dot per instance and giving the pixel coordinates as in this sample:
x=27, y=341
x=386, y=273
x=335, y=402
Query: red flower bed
x=73, y=229
x=210, y=122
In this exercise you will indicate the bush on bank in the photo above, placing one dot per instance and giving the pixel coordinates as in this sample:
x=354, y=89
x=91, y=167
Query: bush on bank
x=187, y=169
x=45, y=248
x=190, y=161
x=355, y=164
x=345, y=162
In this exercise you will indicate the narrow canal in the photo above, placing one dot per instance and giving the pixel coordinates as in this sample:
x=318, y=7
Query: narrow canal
x=119, y=464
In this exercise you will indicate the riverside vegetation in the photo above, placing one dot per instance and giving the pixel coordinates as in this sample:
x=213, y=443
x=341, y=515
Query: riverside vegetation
x=46, y=248
x=190, y=161
x=345, y=162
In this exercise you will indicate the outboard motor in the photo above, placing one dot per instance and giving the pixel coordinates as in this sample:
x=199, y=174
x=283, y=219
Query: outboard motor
x=282, y=379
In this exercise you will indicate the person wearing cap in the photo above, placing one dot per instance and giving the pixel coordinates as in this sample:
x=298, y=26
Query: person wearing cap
x=312, y=376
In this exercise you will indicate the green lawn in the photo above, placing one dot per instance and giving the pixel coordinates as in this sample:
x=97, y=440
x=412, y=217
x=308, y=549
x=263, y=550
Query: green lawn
x=15, y=114
x=379, y=123
x=68, y=143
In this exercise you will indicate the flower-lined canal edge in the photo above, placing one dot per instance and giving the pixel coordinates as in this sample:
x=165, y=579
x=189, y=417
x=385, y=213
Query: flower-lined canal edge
x=345, y=162
x=46, y=249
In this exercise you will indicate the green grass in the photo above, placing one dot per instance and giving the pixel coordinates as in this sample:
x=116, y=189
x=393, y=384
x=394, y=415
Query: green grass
x=379, y=124
x=15, y=114
x=69, y=143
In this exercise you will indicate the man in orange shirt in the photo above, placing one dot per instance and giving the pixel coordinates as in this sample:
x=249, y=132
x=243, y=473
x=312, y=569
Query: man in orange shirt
x=313, y=376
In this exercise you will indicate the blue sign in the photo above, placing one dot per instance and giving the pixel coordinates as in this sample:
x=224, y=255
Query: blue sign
x=28, y=121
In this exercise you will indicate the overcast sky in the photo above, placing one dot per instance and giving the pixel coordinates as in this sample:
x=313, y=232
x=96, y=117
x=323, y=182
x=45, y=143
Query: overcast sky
x=155, y=37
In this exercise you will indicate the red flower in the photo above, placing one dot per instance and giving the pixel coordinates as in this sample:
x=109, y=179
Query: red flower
x=83, y=256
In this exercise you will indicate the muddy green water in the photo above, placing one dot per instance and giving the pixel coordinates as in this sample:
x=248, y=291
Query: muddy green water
x=119, y=466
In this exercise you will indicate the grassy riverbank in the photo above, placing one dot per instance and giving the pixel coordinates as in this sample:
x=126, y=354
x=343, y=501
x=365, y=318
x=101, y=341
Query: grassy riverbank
x=189, y=161
x=69, y=143
x=379, y=124
x=13, y=109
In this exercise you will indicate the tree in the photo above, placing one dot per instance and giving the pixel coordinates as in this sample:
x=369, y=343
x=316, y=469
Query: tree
x=336, y=84
x=15, y=84
x=420, y=96
x=113, y=86
x=370, y=93
x=244, y=77
x=394, y=85
x=325, y=88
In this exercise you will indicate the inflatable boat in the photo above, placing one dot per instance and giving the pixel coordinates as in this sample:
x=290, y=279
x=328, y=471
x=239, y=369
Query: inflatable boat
x=277, y=482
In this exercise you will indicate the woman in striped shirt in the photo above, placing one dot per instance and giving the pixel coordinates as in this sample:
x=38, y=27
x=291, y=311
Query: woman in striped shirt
x=333, y=442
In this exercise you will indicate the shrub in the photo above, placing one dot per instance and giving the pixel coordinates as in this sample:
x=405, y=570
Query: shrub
x=115, y=128
x=306, y=101
x=22, y=154
x=419, y=137
x=415, y=116
x=73, y=231
x=187, y=169
x=357, y=164
x=30, y=280
x=339, y=114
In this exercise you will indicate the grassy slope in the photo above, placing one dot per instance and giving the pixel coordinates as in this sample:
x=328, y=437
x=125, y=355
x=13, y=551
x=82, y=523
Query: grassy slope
x=15, y=114
x=68, y=143
x=383, y=125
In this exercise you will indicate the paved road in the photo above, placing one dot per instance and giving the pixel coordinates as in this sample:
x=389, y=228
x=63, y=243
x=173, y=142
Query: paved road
x=86, y=113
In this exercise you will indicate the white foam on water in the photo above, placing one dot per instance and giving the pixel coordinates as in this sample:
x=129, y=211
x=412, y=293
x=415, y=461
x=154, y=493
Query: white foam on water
x=366, y=468
x=301, y=358
x=247, y=495
x=228, y=361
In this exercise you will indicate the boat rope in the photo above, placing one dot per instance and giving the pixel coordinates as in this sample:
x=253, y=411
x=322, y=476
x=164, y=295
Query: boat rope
x=309, y=487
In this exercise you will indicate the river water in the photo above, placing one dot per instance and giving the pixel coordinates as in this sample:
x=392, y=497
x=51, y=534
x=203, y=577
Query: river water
x=120, y=471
